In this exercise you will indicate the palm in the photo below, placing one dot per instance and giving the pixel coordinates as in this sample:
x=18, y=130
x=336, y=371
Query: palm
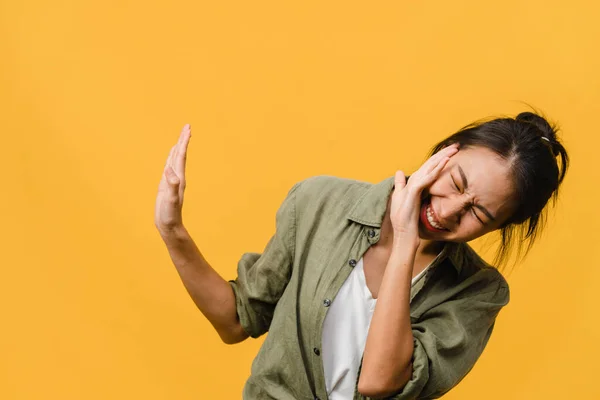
x=405, y=207
x=169, y=200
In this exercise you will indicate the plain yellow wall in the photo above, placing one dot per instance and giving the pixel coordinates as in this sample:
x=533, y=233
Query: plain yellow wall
x=93, y=95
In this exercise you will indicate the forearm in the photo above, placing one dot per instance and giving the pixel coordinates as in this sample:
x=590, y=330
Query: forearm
x=210, y=292
x=389, y=346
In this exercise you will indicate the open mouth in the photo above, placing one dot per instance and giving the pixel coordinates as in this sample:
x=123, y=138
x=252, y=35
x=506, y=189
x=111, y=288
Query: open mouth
x=429, y=219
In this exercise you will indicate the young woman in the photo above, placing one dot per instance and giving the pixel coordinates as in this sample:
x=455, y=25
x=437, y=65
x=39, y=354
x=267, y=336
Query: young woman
x=370, y=290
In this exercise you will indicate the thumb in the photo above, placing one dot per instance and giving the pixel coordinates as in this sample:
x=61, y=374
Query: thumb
x=399, y=180
x=172, y=177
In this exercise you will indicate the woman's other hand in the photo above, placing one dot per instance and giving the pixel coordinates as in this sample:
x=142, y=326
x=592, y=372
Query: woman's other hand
x=406, y=199
x=169, y=201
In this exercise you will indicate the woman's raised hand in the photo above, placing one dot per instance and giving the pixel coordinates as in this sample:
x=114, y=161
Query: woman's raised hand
x=406, y=198
x=169, y=201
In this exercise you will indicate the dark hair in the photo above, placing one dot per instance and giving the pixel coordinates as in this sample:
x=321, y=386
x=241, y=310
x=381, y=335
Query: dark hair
x=530, y=144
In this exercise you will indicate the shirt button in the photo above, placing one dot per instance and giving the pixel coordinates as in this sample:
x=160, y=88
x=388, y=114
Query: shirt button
x=371, y=233
x=352, y=262
x=326, y=302
x=317, y=351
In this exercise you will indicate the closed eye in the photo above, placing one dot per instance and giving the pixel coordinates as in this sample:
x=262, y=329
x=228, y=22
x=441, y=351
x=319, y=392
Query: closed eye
x=476, y=216
x=455, y=185
x=463, y=176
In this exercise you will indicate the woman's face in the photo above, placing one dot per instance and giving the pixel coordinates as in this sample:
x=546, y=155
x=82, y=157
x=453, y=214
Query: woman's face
x=472, y=196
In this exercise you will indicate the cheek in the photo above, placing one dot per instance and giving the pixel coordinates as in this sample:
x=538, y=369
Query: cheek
x=471, y=227
x=439, y=187
x=467, y=225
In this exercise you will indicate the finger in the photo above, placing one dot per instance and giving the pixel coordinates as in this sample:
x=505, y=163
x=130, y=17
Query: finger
x=434, y=160
x=168, y=163
x=399, y=180
x=453, y=148
x=436, y=171
x=428, y=178
x=446, y=151
x=182, y=157
x=173, y=180
x=183, y=133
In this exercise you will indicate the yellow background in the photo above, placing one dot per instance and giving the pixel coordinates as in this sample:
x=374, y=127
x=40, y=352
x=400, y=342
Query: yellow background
x=93, y=95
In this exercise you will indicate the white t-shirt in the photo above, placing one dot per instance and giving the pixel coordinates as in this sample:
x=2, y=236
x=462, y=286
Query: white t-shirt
x=345, y=332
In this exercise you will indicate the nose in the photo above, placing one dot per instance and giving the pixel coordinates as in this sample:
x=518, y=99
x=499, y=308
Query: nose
x=452, y=209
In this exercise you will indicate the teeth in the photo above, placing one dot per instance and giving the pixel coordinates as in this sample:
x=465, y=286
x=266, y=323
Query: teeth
x=431, y=220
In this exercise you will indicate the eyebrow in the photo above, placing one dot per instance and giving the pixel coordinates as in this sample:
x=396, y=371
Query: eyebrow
x=466, y=186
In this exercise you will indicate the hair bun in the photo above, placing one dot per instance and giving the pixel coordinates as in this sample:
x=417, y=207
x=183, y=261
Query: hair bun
x=546, y=130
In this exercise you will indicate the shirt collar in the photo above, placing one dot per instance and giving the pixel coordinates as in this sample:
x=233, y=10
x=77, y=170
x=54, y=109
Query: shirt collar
x=370, y=208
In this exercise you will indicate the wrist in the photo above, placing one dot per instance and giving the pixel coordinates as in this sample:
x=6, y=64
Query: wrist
x=173, y=233
x=405, y=240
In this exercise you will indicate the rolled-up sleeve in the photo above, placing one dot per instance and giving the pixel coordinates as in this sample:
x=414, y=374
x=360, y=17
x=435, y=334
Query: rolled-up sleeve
x=448, y=340
x=262, y=277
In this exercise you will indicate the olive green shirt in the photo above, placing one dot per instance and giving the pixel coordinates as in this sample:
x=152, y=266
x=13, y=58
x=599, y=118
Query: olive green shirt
x=323, y=227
